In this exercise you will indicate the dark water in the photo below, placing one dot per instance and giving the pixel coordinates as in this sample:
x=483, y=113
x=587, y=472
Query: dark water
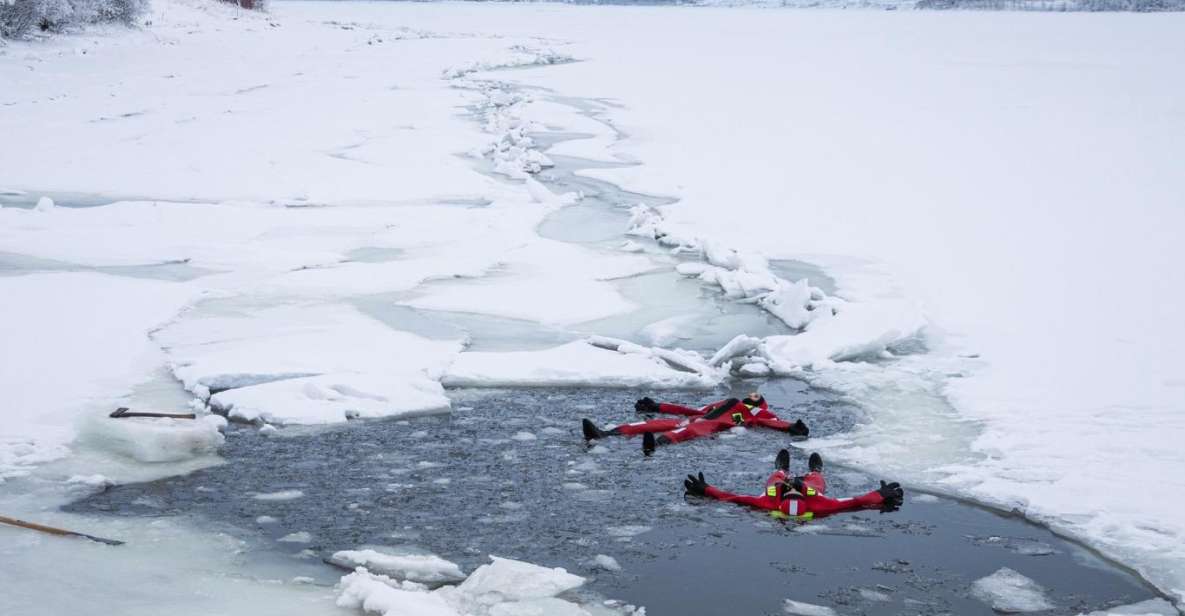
x=463, y=486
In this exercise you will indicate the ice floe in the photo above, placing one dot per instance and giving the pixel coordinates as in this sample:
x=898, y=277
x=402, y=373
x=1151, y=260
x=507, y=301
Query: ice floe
x=1010, y=592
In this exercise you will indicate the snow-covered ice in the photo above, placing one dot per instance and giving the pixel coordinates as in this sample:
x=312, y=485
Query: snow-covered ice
x=1003, y=247
x=503, y=587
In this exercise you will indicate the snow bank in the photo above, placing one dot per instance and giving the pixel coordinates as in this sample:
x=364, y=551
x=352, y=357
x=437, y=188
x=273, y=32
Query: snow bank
x=584, y=362
x=502, y=588
x=73, y=345
x=1010, y=592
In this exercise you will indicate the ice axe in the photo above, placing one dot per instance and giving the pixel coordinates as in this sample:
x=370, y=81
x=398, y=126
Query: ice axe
x=61, y=532
x=124, y=412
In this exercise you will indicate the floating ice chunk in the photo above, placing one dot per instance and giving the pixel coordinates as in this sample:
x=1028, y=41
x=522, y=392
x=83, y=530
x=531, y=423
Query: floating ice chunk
x=297, y=537
x=152, y=439
x=422, y=568
x=574, y=486
x=517, y=581
x=380, y=594
x=606, y=562
x=553, y=431
x=523, y=435
x=873, y=595
x=1008, y=591
x=282, y=495
x=923, y=498
x=265, y=519
x=44, y=204
x=627, y=531
x=268, y=429
x=798, y=608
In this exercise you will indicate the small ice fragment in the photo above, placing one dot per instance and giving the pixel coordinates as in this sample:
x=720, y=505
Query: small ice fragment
x=419, y=434
x=94, y=481
x=265, y=519
x=523, y=436
x=44, y=204
x=1010, y=592
x=282, y=495
x=923, y=498
x=297, y=537
x=572, y=485
x=798, y=608
x=303, y=579
x=552, y=431
x=608, y=563
x=627, y=531
x=873, y=595
x=443, y=481
x=267, y=429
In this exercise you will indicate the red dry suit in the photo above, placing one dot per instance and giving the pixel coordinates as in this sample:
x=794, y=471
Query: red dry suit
x=715, y=417
x=813, y=502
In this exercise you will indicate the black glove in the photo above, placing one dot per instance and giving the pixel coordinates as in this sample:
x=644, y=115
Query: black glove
x=798, y=429
x=892, y=494
x=646, y=405
x=695, y=485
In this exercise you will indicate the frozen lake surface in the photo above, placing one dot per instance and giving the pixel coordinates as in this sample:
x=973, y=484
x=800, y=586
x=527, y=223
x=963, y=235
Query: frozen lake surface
x=507, y=474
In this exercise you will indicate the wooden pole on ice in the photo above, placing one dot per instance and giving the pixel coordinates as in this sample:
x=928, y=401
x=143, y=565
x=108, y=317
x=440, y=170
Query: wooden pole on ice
x=61, y=532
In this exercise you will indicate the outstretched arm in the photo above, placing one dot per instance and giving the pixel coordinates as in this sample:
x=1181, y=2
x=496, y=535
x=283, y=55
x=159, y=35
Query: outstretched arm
x=888, y=498
x=796, y=428
x=699, y=487
x=678, y=409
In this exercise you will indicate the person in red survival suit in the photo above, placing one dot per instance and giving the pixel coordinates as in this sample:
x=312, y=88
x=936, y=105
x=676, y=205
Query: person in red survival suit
x=715, y=417
x=803, y=497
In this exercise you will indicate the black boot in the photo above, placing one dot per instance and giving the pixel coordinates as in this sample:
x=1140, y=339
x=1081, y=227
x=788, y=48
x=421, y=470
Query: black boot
x=782, y=462
x=798, y=429
x=816, y=463
x=646, y=405
x=591, y=431
x=649, y=443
